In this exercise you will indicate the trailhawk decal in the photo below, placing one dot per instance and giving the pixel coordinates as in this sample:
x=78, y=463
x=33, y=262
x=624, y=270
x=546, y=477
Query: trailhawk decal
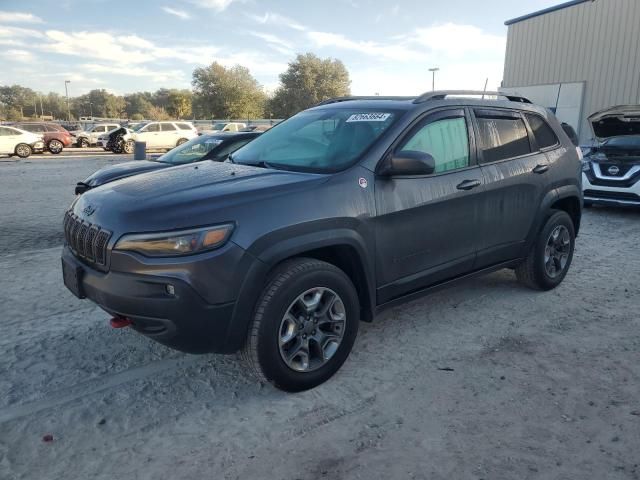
x=368, y=117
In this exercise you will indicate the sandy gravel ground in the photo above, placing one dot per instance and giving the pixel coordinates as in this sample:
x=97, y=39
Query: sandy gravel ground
x=487, y=380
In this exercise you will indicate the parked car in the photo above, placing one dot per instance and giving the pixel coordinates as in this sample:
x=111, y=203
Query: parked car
x=56, y=137
x=220, y=127
x=14, y=141
x=611, y=167
x=214, y=147
x=256, y=128
x=89, y=137
x=157, y=135
x=338, y=212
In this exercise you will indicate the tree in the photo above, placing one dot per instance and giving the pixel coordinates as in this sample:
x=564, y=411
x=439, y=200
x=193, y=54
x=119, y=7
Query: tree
x=157, y=113
x=136, y=117
x=308, y=80
x=221, y=92
x=101, y=103
x=179, y=103
x=138, y=103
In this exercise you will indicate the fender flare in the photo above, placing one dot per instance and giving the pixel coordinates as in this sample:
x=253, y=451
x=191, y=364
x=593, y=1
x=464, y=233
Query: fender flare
x=278, y=251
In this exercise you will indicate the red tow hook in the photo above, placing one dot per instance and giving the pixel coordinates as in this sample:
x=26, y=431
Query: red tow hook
x=120, y=322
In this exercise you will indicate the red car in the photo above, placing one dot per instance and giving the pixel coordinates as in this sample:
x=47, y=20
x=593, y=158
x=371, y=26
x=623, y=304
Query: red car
x=55, y=136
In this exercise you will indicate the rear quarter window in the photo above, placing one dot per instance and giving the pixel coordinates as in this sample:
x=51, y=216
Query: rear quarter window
x=542, y=131
x=183, y=126
x=502, y=137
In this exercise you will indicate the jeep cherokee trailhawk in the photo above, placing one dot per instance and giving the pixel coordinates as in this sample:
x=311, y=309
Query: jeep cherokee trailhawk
x=336, y=213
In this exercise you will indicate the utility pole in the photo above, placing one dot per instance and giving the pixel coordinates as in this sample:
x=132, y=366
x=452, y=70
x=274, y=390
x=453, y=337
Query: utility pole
x=91, y=108
x=433, y=77
x=41, y=109
x=66, y=90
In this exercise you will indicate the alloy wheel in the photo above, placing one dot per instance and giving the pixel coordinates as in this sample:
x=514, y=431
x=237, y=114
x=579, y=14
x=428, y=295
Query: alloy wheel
x=557, y=250
x=55, y=146
x=312, y=329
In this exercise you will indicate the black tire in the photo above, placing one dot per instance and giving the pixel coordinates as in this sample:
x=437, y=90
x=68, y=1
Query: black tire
x=23, y=150
x=532, y=272
x=83, y=143
x=55, y=146
x=181, y=141
x=289, y=280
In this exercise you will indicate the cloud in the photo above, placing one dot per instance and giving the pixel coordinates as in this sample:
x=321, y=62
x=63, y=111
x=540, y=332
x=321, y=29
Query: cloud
x=392, y=51
x=277, y=20
x=177, y=13
x=19, y=17
x=457, y=40
x=16, y=55
x=18, y=32
x=217, y=5
x=275, y=42
x=136, y=71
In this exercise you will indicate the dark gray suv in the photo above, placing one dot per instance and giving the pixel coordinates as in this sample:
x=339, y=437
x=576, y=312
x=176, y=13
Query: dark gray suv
x=333, y=215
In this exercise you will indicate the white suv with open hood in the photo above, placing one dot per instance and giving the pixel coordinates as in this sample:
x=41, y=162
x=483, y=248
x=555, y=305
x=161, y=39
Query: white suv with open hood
x=611, y=168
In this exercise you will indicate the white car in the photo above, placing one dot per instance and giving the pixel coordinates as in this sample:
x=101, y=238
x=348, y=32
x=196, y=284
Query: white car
x=223, y=127
x=160, y=135
x=14, y=141
x=90, y=136
x=611, y=166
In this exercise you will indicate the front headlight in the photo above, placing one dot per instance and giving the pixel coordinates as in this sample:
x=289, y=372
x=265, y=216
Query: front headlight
x=183, y=242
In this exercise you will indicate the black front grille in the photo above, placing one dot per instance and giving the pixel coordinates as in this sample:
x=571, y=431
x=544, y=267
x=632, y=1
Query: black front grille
x=87, y=241
x=611, y=195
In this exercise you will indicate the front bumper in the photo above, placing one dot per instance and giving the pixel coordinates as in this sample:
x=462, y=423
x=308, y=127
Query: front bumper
x=619, y=196
x=183, y=319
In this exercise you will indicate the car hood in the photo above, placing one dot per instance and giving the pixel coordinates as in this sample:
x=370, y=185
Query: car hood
x=185, y=196
x=122, y=170
x=616, y=121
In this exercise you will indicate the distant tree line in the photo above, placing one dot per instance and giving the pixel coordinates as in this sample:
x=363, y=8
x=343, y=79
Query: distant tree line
x=218, y=92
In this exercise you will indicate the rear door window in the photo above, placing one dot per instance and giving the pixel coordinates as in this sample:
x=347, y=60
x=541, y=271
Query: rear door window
x=183, y=126
x=168, y=127
x=502, y=135
x=542, y=132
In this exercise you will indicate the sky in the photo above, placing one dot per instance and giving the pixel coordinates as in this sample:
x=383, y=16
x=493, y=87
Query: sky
x=135, y=45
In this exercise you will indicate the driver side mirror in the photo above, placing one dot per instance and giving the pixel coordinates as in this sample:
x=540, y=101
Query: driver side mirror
x=409, y=162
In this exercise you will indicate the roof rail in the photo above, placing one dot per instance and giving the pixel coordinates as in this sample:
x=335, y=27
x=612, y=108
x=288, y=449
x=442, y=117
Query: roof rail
x=443, y=94
x=376, y=97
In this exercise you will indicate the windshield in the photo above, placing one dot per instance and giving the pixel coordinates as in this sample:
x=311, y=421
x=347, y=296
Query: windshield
x=191, y=151
x=318, y=141
x=135, y=128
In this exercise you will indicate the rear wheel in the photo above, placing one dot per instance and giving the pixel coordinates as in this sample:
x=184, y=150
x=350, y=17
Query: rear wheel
x=181, y=141
x=23, y=150
x=55, y=146
x=304, y=325
x=550, y=257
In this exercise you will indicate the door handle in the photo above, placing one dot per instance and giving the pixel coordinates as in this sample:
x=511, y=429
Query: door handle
x=468, y=184
x=540, y=168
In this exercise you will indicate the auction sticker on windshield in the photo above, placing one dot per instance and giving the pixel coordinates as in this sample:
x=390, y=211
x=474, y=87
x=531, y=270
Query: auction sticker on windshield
x=368, y=117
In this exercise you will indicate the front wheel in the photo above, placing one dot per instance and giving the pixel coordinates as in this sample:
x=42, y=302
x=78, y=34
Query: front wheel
x=23, y=150
x=129, y=146
x=55, y=146
x=550, y=257
x=181, y=141
x=304, y=325
x=83, y=143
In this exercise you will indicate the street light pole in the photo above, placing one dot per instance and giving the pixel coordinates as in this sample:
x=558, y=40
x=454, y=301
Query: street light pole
x=433, y=77
x=66, y=90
